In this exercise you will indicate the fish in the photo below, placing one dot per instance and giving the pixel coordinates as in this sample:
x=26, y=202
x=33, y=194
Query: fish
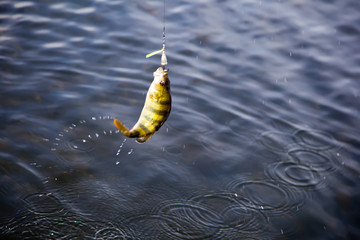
x=156, y=109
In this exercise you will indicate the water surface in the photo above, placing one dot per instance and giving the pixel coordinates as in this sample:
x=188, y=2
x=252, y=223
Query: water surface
x=262, y=141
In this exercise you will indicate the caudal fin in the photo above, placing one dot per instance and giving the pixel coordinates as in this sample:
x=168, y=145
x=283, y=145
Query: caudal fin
x=122, y=127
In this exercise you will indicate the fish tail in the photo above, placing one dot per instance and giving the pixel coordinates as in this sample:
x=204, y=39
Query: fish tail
x=122, y=127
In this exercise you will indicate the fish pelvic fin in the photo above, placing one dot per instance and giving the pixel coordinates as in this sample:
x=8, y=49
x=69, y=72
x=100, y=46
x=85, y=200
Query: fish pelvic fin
x=144, y=139
x=122, y=128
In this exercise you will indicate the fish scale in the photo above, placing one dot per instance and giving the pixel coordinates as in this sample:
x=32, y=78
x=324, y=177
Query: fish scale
x=156, y=109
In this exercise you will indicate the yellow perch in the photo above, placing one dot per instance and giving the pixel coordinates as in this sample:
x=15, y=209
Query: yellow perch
x=155, y=111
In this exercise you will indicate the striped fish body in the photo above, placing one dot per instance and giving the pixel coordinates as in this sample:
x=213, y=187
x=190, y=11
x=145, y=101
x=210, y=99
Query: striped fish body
x=155, y=111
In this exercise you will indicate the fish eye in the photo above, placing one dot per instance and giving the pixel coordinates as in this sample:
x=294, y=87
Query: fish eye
x=162, y=83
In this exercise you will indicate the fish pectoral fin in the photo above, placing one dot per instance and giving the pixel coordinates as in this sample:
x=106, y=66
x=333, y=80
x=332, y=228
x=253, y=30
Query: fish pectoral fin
x=144, y=139
x=122, y=127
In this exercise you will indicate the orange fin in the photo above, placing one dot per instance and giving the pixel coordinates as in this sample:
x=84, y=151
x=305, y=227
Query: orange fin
x=122, y=127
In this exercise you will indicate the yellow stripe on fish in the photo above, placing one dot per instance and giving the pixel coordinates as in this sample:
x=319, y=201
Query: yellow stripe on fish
x=155, y=111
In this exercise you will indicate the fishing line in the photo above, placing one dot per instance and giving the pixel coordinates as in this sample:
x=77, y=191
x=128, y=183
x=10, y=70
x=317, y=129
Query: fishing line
x=162, y=51
x=163, y=55
x=164, y=39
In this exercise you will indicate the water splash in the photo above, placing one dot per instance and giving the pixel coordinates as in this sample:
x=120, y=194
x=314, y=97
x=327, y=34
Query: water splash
x=120, y=147
x=85, y=140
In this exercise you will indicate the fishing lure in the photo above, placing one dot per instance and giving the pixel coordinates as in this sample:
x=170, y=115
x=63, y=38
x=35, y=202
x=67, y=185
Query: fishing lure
x=156, y=109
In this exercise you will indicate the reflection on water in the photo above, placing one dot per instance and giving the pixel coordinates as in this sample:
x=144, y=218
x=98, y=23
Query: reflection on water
x=262, y=141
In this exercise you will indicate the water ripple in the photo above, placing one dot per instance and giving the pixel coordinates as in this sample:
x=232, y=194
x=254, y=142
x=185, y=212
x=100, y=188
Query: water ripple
x=184, y=121
x=232, y=211
x=295, y=175
x=82, y=144
x=315, y=139
x=225, y=141
x=323, y=161
x=49, y=227
x=276, y=141
x=266, y=195
x=143, y=226
x=61, y=228
x=189, y=220
x=108, y=233
x=174, y=149
x=42, y=203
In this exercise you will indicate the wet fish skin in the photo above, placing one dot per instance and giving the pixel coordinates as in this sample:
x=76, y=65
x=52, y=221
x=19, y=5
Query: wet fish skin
x=156, y=109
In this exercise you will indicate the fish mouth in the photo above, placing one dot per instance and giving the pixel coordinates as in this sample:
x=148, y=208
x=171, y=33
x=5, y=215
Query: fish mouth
x=161, y=72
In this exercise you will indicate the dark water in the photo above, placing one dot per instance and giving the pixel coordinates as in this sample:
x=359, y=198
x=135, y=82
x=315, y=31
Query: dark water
x=263, y=141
